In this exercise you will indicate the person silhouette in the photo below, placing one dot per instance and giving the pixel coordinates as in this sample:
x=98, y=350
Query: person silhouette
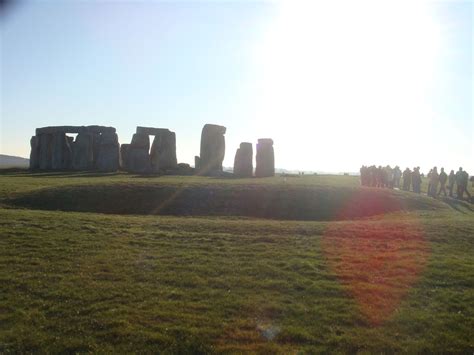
x=443, y=177
x=451, y=181
x=459, y=183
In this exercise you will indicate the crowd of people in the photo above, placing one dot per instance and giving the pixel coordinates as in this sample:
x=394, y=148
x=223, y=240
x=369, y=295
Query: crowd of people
x=388, y=177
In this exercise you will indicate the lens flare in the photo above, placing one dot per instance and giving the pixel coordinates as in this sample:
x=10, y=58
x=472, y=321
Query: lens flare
x=379, y=260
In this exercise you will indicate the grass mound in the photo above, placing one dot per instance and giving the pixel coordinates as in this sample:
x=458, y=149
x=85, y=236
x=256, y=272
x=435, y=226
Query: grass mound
x=261, y=201
x=109, y=283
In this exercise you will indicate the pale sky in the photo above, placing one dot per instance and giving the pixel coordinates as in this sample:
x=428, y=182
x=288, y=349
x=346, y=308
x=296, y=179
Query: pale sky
x=336, y=84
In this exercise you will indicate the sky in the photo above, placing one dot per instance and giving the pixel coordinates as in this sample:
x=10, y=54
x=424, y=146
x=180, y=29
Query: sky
x=335, y=84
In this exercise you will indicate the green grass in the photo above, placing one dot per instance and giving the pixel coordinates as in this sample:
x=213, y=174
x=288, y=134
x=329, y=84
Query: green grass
x=82, y=282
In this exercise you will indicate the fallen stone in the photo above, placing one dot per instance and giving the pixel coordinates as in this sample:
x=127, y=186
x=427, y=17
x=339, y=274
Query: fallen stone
x=184, y=169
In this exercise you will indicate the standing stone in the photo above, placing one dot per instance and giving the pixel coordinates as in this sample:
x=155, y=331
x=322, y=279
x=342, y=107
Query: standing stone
x=265, y=158
x=212, y=149
x=45, y=142
x=124, y=156
x=243, y=162
x=197, y=162
x=137, y=156
x=163, y=151
x=34, y=154
x=95, y=146
x=60, y=152
x=56, y=151
x=141, y=140
x=109, y=152
x=83, y=152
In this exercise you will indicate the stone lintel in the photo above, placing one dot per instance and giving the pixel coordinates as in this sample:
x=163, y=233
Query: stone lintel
x=151, y=131
x=74, y=129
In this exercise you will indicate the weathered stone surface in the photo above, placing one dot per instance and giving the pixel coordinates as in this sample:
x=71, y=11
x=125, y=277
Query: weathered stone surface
x=212, y=149
x=90, y=150
x=265, y=158
x=151, y=131
x=197, y=162
x=34, y=154
x=44, y=153
x=83, y=152
x=95, y=146
x=137, y=157
x=243, y=162
x=140, y=140
x=109, y=153
x=74, y=129
x=137, y=160
x=184, y=169
x=124, y=156
x=163, y=151
x=60, y=152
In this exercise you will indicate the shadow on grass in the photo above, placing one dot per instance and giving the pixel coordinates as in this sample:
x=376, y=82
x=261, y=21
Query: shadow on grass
x=9, y=171
x=274, y=202
x=58, y=174
x=459, y=205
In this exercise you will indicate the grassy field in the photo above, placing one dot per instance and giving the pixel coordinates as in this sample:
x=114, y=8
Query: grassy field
x=401, y=280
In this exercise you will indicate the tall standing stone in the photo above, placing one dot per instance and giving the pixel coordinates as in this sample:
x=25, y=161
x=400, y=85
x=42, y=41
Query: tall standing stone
x=95, y=146
x=265, y=158
x=212, y=149
x=34, y=154
x=109, y=152
x=137, y=155
x=61, y=152
x=83, y=152
x=124, y=156
x=243, y=162
x=44, y=153
x=163, y=151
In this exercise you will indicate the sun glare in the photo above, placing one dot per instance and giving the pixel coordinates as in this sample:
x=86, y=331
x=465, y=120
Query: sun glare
x=344, y=68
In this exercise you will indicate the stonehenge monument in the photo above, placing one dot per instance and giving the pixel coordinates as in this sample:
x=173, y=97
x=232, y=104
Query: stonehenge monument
x=243, y=162
x=265, y=158
x=212, y=149
x=95, y=147
x=98, y=148
x=137, y=157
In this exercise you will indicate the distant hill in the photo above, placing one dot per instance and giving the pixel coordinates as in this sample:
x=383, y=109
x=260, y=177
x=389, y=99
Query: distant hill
x=9, y=161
